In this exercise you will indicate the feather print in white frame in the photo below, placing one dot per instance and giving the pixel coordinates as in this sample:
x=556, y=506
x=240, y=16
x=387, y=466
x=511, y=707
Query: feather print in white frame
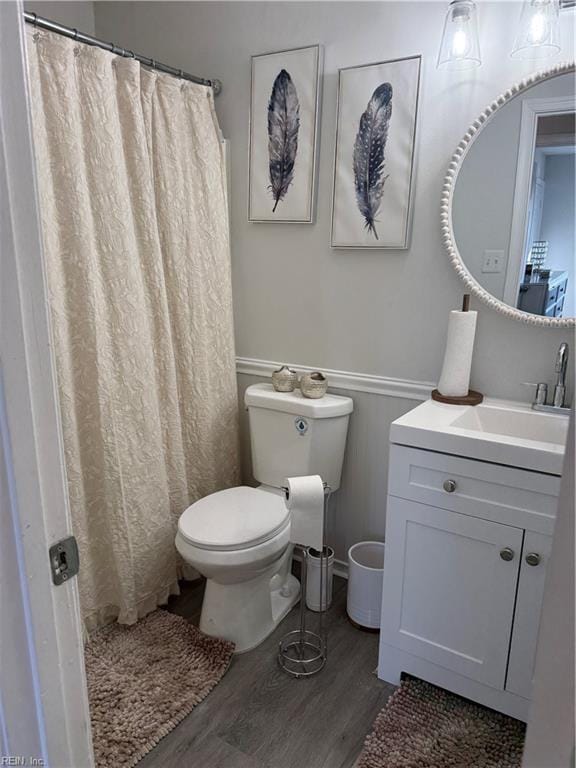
x=374, y=154
x=284, y=122
x=283, y=130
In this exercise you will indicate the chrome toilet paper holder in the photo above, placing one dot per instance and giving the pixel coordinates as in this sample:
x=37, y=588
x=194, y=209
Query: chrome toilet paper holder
x=302, y=652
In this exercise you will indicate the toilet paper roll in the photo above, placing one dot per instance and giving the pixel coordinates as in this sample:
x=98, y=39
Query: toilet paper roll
x=306, y=505
x=455, y=377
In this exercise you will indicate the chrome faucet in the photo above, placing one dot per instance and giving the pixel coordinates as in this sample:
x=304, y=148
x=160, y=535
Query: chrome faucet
x=559, y=400
x=561, y=364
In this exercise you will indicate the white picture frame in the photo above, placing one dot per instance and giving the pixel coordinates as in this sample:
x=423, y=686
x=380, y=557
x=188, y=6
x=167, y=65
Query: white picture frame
x=373, y=183
x=285, y=90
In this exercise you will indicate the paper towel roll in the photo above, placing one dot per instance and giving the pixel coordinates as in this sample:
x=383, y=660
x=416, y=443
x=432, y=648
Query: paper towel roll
x=306, y=505
x=455, y=377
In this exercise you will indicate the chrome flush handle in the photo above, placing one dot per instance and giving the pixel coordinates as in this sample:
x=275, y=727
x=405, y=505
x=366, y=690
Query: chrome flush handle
x=533, y=558
x=507, y=554
x=449, y=486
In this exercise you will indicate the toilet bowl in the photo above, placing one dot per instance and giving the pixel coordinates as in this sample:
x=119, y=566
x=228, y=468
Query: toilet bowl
x=239, y=539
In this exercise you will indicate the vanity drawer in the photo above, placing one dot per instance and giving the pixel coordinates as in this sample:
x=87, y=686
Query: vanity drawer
x=552, y=295
x=559, y=308
x=491, y=491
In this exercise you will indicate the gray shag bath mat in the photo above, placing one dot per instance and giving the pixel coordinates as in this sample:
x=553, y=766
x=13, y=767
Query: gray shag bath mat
x=144, y=679
x=423, y=726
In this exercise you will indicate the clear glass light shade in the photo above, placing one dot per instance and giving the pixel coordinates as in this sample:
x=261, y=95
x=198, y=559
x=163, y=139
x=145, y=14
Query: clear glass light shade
x=460, y=48
x=538, y=36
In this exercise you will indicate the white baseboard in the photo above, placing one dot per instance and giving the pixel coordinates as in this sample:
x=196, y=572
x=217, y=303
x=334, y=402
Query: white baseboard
x=344, y=380
x=340, y=568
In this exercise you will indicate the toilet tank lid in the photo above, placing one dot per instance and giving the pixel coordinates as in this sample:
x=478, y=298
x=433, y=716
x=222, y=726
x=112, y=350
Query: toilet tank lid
x=265, y=396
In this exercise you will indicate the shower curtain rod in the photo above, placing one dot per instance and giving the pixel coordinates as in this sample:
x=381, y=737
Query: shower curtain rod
x=60, y=29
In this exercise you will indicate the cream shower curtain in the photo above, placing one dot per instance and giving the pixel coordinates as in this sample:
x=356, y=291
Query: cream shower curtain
x=134, y=216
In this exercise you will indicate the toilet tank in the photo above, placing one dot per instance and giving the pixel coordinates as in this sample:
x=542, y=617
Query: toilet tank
x=293, y=436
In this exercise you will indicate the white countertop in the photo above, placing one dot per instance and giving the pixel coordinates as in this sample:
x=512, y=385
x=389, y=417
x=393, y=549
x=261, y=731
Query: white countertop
x=499, y=431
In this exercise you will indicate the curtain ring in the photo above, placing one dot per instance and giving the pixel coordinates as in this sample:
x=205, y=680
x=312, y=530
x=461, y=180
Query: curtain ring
x=153, y=63
x=36, y=35
x=75, y=34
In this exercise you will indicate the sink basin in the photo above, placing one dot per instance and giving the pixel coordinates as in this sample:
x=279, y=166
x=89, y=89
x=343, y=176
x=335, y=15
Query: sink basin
x=499, y=431
x=516, y=423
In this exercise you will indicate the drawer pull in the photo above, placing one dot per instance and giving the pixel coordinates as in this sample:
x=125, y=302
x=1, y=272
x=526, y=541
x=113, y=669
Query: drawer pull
x=533, y=558
x=449, y=486
x=507, y=554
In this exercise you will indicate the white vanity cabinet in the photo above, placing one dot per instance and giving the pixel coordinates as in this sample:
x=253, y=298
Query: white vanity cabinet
x=467, y=544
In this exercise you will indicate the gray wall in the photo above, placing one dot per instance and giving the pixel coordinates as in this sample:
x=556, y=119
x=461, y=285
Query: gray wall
x=558, y=220
x=382, y=313
x=295, y=298
x=78, y=14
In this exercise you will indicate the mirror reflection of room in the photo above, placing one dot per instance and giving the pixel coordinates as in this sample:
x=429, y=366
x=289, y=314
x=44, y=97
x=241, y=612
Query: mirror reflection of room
x=513, y=206
x=547, y=286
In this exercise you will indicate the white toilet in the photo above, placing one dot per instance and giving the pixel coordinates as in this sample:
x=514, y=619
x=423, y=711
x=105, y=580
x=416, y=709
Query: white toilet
x=239, y=539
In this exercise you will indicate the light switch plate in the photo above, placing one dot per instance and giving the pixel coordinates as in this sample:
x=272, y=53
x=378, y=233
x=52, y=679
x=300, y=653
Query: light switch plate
x=493, y=261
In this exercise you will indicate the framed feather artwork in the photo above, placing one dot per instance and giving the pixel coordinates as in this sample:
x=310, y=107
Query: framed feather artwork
x=284, y=126
x=374, y=157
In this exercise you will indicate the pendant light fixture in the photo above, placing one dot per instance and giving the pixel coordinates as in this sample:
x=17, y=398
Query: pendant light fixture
x=538, y=35
x=460, y=48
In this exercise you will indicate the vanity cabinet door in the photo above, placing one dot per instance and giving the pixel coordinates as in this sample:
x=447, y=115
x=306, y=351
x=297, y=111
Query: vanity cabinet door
x=449, y=588
x=535, y=556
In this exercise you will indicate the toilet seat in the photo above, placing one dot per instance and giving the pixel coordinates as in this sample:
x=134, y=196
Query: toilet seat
x=234, y=519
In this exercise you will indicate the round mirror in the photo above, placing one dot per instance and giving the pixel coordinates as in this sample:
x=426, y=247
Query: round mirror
x=508, y=202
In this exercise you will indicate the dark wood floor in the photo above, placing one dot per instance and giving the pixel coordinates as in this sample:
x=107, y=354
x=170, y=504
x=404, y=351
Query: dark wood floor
x=259, y=717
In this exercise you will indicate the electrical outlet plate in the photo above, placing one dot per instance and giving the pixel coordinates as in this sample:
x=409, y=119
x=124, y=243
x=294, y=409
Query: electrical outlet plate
x=492, y=261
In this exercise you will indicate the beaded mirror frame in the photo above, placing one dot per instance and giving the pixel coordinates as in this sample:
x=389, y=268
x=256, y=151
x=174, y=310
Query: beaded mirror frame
x=448, y=195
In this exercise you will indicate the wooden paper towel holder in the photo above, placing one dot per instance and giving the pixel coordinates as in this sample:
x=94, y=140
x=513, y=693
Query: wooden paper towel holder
x=472, y=398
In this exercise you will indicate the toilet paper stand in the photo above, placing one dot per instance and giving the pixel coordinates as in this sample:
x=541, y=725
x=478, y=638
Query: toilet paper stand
x=302, y=653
